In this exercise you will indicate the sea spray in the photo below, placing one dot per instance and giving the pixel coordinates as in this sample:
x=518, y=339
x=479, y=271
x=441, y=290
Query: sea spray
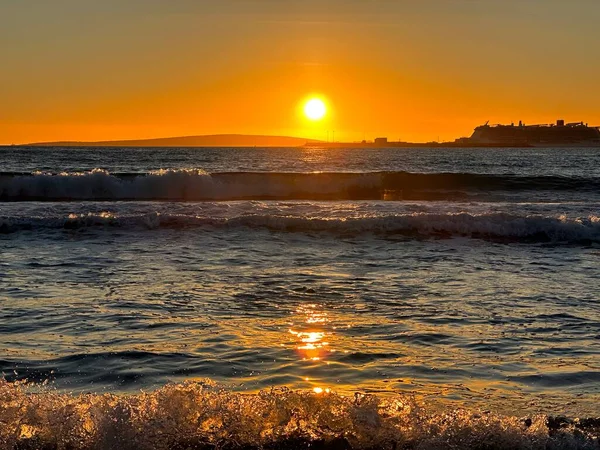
x=200, y=415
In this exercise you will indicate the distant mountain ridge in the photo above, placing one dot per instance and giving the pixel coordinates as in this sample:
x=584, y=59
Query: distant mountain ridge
x=216, y=140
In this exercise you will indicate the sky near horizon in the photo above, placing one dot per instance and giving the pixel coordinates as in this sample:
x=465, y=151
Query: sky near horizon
x=411, y=70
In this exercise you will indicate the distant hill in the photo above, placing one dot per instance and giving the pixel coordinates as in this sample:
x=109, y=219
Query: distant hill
x=217, y=140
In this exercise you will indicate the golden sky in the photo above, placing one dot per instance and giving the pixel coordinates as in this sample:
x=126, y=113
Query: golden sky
x=414, y=70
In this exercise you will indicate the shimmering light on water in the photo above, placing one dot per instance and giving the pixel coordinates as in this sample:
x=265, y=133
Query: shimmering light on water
x=312, y=345
x=489, y=303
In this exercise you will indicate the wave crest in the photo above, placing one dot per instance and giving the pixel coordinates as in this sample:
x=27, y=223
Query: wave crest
x=493, y=226
x=197, y=415
x=196, y=184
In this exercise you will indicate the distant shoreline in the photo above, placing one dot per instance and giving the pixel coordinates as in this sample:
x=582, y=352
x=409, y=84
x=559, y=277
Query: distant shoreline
x=373, y=145
x=217, y=140
x=312, y=146
x=263, y=141
x=308, y=145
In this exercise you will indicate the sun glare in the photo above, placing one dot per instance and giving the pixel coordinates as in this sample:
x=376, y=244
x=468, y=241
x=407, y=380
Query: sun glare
x=315, y=109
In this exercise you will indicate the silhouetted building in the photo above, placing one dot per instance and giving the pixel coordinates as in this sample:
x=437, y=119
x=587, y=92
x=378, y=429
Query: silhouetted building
x=575, y=134
x=381, y=141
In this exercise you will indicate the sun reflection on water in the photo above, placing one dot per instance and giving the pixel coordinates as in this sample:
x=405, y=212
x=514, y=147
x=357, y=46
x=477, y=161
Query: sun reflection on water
x=319, y=390
x=310, y=336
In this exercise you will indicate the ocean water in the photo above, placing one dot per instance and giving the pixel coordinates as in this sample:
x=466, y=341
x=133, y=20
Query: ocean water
x=380, y=298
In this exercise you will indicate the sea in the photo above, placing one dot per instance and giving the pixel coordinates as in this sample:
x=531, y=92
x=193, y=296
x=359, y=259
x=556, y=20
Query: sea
x=373, y=298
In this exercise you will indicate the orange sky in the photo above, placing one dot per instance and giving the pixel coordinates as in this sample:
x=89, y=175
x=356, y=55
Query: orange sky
x=414, y=70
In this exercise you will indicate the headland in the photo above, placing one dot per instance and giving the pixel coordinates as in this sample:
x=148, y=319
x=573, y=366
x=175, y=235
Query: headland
x=559, y=134
x=215, y=140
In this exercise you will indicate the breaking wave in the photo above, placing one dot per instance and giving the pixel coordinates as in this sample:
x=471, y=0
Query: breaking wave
x=198, y=415
x=493, y=226
x=194, y=184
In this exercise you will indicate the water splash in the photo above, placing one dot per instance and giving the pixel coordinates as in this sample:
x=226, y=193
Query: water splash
x=200, y=415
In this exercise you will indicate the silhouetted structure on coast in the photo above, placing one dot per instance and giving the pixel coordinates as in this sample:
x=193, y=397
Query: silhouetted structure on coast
x=575, y=134
x=560, y=134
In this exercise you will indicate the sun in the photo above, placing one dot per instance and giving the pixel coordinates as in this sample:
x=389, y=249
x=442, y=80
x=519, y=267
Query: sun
x=315, y=109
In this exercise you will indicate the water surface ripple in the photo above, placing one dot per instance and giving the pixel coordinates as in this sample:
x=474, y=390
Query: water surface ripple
x=487, y=300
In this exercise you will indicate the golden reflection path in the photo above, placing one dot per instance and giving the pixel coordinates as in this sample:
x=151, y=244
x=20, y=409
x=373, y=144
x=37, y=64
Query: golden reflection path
x=312, y=337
